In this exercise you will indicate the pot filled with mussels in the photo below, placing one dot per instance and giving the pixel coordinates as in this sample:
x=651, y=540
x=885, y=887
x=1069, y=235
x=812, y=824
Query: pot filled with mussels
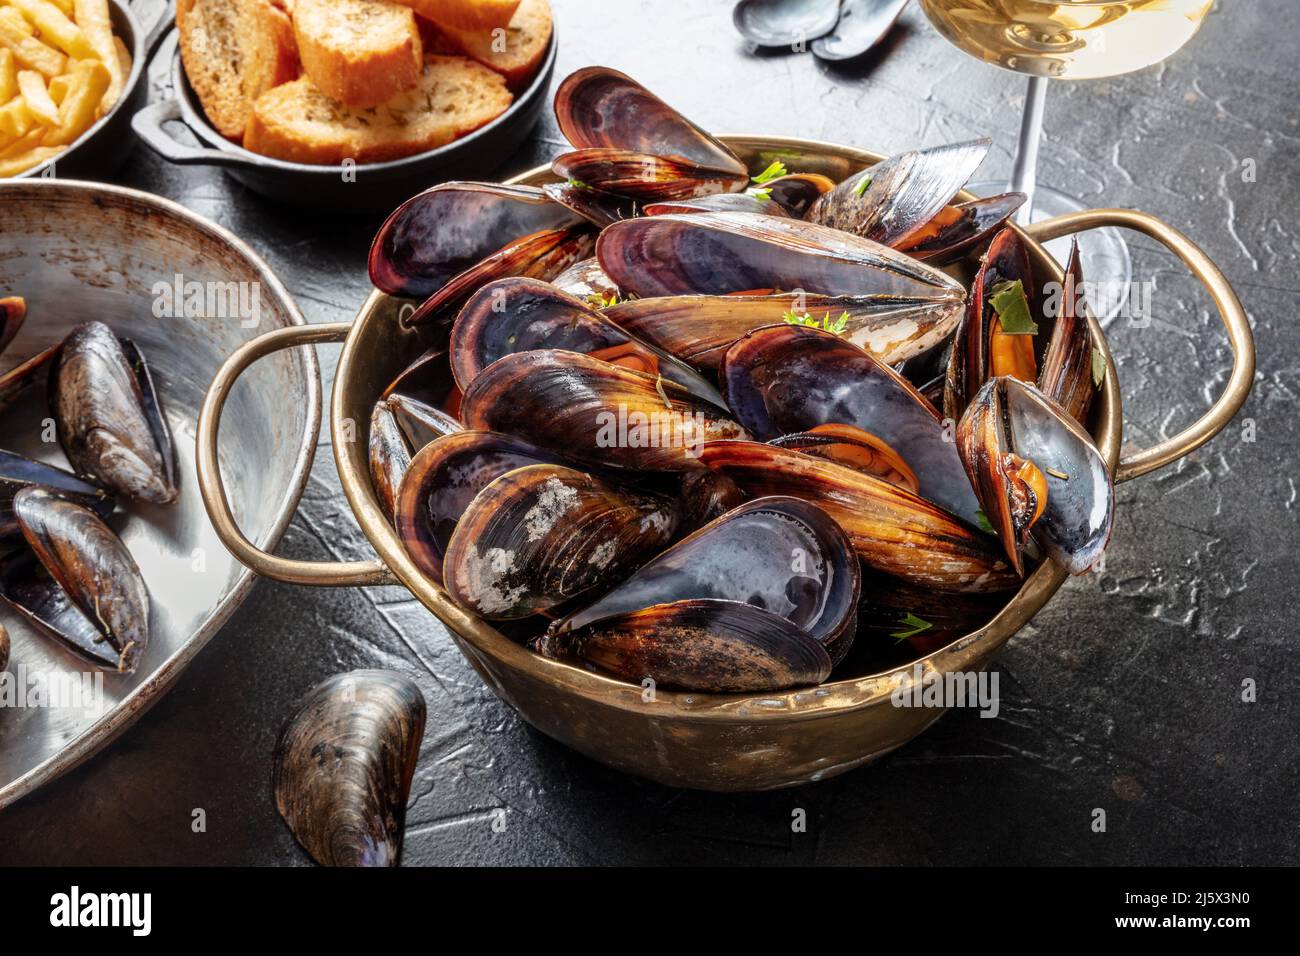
x=701, y=446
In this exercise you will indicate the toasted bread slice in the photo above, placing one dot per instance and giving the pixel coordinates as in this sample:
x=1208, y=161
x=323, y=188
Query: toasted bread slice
x=465, y=14
x=514, y=51
x=299, y=123
x=360, y=52
x=233, y=52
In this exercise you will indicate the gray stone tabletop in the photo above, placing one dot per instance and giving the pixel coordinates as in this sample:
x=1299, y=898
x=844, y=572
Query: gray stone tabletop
x=1125, y=693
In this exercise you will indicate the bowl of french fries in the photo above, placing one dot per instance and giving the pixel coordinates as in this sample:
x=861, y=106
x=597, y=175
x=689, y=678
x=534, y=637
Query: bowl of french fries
x=70, y=78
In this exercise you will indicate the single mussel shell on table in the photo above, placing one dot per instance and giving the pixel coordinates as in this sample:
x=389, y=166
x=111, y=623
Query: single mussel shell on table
x=899, y=196
x=390, y=457
x=891, y=529
x=586, y=280
x=782, y=555
x=1036, y=471
x=785, y=22
x=343, y=765
x=789, y=379
x=1073, y=367
x=108, y=417
x=18, y=472
x=444, y=243
x=594, y=205
x=594, y=412
x=13, y=312
x=958, y=229
x=544, y=534
x=78, y=581
x=600, y=108
x=441, y=481
x=643, y=177
x=521, y=315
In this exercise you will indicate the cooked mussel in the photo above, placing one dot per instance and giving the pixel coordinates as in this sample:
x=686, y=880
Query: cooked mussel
x=642, y=177
x=788, y=379
x=343, y=766
x=796, y=192
x=586, y=280
x=595, y=412
x=1073, y=368
x=851, y=446
x=594, y=205
x=18, y=378
x=78, y=581
x=718, y=202
x=108, y=417
x=520, y=315
x=779, y=554
x=957, y=229
x=4, y=647
x=420, y=423
x=1036, y=471
x=544, y=534
x=390, y=457
x=891, y=529
x=18, y=472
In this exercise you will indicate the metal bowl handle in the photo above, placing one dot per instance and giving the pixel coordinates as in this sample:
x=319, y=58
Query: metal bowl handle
x=320, y=573
x=1230, y=312
x=149, y=126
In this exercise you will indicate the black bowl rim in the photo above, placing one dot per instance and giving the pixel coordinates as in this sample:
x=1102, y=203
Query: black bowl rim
x=128, y=88
x=197, y=121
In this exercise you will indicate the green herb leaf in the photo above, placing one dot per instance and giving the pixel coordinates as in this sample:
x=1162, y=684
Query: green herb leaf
x=912, y=626
x=1011, y=305
x=578, y=184
x=863, y=185
x=774, y=171
x=603, y=302
x=762, y=195
x=982, y=520
x=1098, y=366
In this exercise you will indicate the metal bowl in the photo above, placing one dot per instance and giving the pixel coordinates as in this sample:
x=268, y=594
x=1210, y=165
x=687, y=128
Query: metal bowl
x=80, y=251
x=705, y=741
x=370, y=186
x=100, y=151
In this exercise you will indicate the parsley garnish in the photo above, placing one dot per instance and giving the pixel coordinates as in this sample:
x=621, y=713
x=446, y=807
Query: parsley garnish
x=982, y=520
x=1009, y=302
x=774, y=171
x=863, y=185
x=835, y=327
x=912, y=626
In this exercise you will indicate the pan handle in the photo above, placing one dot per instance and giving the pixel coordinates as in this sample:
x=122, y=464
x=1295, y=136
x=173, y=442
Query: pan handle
x=149, y=126
x=211, y=487
x=1230, y=312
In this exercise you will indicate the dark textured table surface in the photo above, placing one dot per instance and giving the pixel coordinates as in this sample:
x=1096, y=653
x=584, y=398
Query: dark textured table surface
x=1125, y=693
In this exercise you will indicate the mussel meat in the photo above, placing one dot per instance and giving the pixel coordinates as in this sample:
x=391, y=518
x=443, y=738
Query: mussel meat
x=957, y=229
x=343, y=766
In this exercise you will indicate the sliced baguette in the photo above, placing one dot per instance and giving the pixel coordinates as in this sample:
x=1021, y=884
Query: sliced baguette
x=233, y=52
x=516, y=50
x=299, y=123
x=465, y=14
x=360, y=52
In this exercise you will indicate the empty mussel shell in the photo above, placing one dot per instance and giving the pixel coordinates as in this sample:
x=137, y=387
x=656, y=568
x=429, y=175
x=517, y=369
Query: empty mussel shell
x=18, y=472
x=1073, y=368
x=78, y=581
x=710, y=646
x=777, y=553
x=1012, y=423
x=791, y=23
x=108, y=418
x=787, y=379
x=862, y=24
x=595, y=412
x=520, y=315
x=390, y=457
x=596, y=206
x=544, y=534
x=891, y=529
x=420, y=423
x=718, y=202
x=343, y=765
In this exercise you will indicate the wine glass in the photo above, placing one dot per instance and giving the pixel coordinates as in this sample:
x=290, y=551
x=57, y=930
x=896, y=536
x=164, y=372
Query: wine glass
x=1069, y=40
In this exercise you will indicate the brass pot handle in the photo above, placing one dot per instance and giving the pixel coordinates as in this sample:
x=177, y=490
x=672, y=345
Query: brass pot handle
x=321, y=573
x=1230, y=312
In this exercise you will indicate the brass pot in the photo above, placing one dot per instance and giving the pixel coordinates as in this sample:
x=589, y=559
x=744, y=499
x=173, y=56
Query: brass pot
x=705, y=741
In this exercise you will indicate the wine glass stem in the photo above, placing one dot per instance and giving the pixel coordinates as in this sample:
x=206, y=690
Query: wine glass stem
x=1024, y=174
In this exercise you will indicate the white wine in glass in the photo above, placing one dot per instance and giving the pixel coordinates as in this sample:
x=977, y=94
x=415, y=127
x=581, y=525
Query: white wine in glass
x=1070, y=40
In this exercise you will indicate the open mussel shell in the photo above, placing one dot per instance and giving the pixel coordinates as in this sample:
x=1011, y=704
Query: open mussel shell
x=420, y=423
x=898, y=196
x=710, y=646
x=4, y=647
x=594, y=205
x=390, y=457
x=699, y=329
x=595, y=412
x=862, y=24
x=796, y=192
x=643, y=177
x=783, y=555
x=704, y=496
x=108, y=417
x=785, y=22
x=18, y=472
x=597, y=107
x=718, y=202
x=544, y=534
x=13, y=311
x=960, y=228
x=78, y=581
x=1012, y=421
x=445, y=230
x=786, y=379
x=18, y=378
x=705, y=253
x=970, y=361
x=443, y=478
x=587, y=280
x=520, y=315
x=891, y=529
x=851, y=446
x=1067, y=376
x=343, y=765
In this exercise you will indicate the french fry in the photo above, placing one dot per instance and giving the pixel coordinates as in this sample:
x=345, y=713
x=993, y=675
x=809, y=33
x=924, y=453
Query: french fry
x=14, y=118
x=24, y=143
x=92, y=19
x=29, y=52
x=58, y=87
x=90, y=80
x=64, y=5
x=39, y=104
x=8, y=76
x=11, y=15
x=124, y=63
x=25, y=161
x=56, y=28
